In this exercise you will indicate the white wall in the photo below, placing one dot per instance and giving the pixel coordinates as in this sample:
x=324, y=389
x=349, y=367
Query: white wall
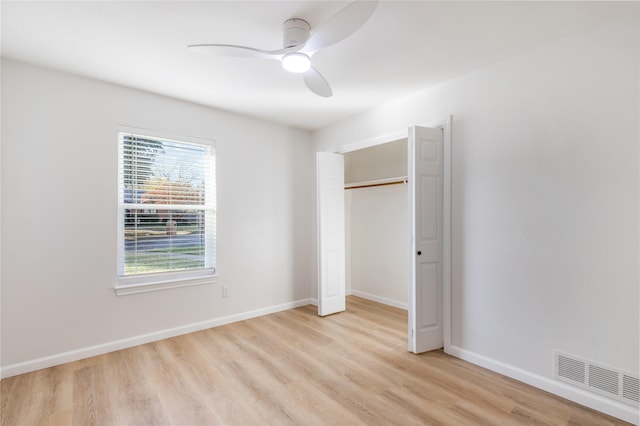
x=545, y=198
x=59, y=215
x=0, y=235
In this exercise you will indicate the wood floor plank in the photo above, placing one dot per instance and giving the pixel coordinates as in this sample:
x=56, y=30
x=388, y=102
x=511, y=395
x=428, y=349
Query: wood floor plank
x=287, y=368
x=15, y=391
x=136, y=399
x=91, y=396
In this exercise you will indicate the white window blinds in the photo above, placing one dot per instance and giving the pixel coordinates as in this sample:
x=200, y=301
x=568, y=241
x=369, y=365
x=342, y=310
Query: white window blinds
x=167, y=216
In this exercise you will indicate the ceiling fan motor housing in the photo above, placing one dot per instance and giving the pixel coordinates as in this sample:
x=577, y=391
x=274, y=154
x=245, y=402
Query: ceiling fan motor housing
x=296, y=32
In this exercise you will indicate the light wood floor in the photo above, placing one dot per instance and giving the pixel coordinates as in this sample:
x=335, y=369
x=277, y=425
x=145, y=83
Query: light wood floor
x=287, y=368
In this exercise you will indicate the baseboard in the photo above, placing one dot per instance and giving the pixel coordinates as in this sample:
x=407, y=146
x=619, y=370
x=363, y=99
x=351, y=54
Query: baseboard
x=579, y=396
x=75, y=355
x=380, y=299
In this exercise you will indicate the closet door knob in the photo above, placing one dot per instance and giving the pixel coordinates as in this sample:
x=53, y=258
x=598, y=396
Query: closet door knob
x=419, y=253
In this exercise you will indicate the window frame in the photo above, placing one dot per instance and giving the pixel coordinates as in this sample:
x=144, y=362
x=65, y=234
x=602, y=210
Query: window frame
x=147, y=282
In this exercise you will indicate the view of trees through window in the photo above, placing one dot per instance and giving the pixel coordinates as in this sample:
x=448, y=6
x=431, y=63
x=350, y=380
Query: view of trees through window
x=166, y=206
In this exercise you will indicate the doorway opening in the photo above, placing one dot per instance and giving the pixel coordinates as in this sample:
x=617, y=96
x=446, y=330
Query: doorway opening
x=376, y=240
x=428, y=231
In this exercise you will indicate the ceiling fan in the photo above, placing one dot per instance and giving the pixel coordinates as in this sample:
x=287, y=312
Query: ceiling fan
x=300, y=44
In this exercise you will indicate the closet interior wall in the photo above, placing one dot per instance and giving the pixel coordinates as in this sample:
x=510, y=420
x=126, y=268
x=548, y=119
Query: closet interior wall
x=376, y=223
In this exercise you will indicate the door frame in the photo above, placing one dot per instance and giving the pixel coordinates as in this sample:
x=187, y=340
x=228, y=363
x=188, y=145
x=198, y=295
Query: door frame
x=445, y=125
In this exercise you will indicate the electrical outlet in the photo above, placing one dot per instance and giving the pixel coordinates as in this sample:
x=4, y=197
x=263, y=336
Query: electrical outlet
x=225, y=291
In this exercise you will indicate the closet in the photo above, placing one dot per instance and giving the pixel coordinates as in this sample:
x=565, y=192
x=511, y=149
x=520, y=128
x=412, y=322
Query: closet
x=376, y=223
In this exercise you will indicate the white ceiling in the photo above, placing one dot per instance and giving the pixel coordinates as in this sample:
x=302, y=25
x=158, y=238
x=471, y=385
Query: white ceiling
x=403, y=48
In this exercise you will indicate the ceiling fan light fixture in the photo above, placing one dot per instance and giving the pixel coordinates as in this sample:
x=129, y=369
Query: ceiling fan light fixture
x=298, y=44
x=296, y=62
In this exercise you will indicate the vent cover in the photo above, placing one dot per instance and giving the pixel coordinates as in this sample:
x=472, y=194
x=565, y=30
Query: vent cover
x=572, y=369
x=631, y=388
x=595, y=377
x=604, y=379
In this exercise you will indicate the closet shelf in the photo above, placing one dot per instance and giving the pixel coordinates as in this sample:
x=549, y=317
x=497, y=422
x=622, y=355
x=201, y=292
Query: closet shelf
x=377, y=182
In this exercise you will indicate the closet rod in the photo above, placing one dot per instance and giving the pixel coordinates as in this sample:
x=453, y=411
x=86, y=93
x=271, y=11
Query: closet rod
x=368, y=185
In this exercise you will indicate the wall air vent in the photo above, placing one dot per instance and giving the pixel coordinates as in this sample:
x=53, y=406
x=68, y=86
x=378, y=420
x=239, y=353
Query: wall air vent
x=631, y=388
x=594, y=377
x=604, y=379
x=571, y=369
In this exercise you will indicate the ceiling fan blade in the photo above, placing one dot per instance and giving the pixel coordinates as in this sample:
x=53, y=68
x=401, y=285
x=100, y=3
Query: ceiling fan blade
x=240, y=51
x=317, y=83
x=341, y=25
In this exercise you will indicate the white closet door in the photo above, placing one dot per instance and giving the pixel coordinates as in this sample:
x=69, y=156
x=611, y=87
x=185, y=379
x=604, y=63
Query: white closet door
x=331, y=233
x=426, y=201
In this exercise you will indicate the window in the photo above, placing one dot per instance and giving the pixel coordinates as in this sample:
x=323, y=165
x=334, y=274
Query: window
x=166, y=210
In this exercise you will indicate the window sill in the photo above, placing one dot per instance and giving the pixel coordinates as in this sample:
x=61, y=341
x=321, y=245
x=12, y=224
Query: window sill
x=124, y=289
